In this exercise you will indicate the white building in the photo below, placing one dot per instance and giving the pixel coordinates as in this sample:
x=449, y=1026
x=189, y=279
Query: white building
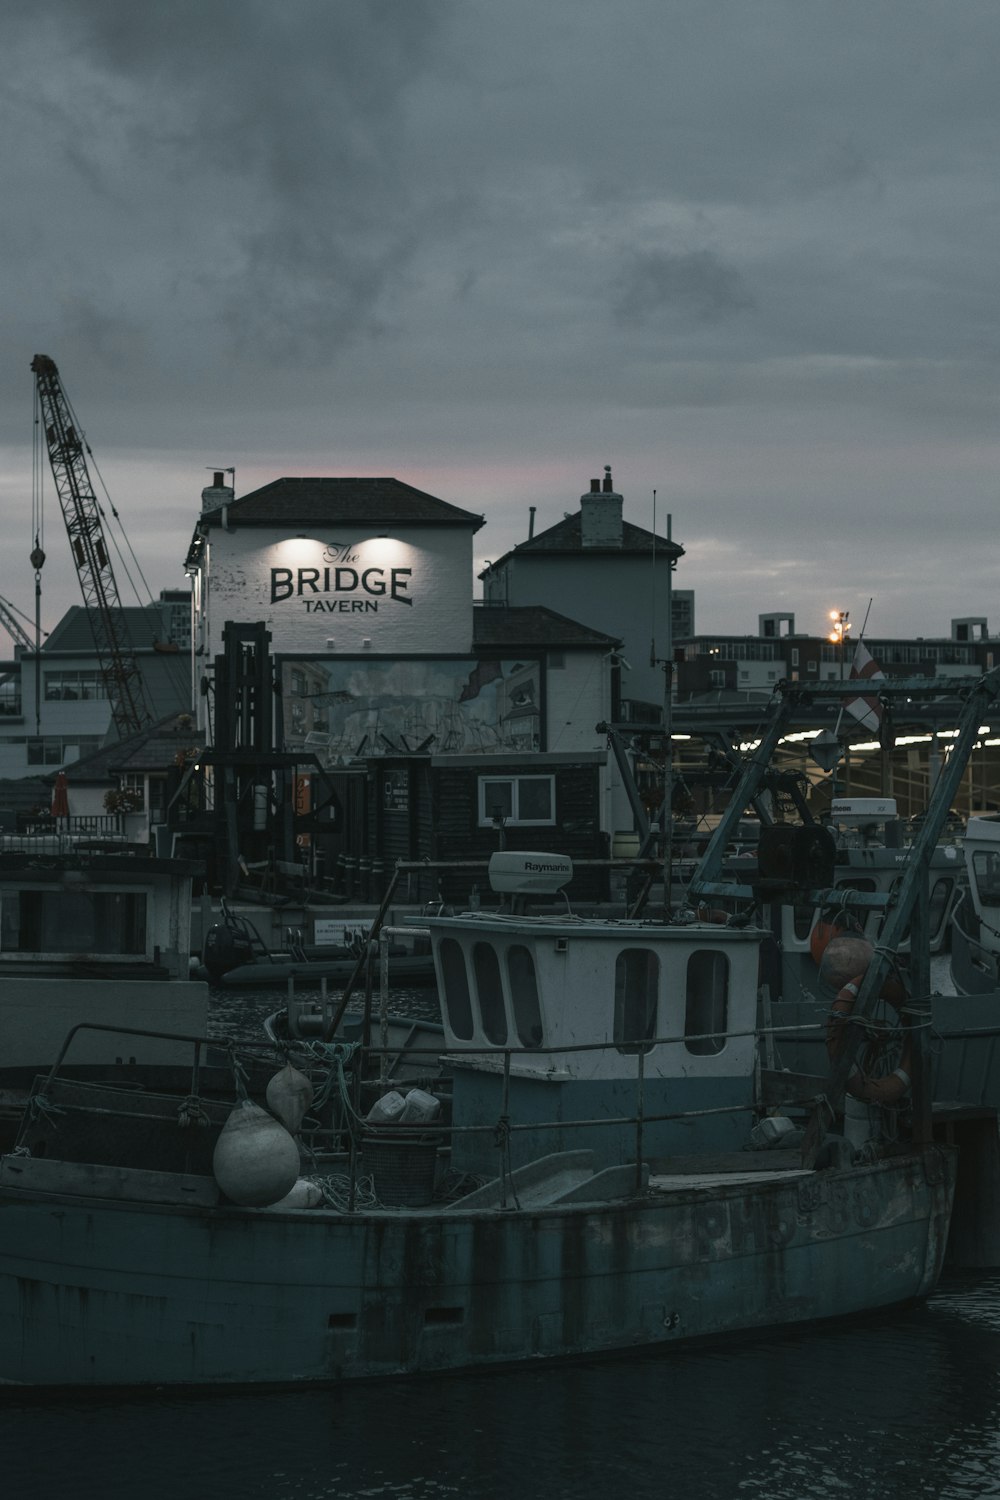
x=54, y=704
x=366, y=588
x=597, y=567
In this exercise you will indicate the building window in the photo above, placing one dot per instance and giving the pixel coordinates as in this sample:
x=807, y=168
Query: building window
x=10, y=697
x=637, y=983
x=526, y=800
x=707, y=1008
x=717, y=677
x=133, y=785
x=45, y=752
x=795, y=656
x=59, y=752
x=64, y=686
x=70, y=920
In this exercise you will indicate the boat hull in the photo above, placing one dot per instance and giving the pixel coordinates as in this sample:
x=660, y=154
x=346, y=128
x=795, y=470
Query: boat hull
x=99, y=1291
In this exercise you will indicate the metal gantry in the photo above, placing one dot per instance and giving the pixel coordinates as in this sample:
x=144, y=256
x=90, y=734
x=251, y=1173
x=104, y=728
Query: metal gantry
x=17, y=631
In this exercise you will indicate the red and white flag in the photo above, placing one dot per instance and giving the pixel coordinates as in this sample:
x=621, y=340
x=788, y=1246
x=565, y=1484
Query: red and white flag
x=867, y=711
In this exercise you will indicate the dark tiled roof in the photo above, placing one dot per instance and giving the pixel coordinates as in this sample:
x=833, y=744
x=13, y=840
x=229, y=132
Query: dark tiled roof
x=26, y=794
x=154, y=748
x=565, y=537
x=74, y=633
x=328, y=502
x=532, y=625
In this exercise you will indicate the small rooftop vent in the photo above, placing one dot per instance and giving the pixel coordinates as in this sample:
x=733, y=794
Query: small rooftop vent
x=516, y=872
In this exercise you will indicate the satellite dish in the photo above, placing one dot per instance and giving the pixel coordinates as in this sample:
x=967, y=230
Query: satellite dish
x=826, y=750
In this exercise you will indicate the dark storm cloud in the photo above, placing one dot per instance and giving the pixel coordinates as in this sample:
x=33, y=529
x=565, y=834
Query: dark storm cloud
x=745, y=251
x=275, y=135
x=694, y=285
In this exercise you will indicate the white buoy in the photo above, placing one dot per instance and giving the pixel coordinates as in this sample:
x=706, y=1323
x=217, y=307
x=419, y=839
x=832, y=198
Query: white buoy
x=304, y=1194
x=845, y=958
x=255, y=1162
x=289, y=1095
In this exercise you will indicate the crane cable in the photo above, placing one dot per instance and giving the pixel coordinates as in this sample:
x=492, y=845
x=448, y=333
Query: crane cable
x=37, y=474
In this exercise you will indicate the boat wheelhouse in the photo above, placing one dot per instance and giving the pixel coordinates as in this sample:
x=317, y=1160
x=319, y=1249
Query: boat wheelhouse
x=672, y=1006
x=975, y=929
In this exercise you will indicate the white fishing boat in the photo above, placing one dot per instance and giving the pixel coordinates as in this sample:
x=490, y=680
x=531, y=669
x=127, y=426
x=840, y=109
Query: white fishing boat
x=975, y=925
x=576, y=1181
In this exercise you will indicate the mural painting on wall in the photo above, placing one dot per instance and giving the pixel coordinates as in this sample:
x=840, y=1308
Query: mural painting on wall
x=341, y=710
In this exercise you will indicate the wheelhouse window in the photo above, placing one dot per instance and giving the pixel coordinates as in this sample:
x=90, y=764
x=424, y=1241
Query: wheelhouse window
x=524, y=995
x=489, y=991
x=526, y=800
x=939, y=904
x=73, y=921
x=457, y=999
x=986, y=868
x=706, y=1011
x=802, y=921
x=637, y=984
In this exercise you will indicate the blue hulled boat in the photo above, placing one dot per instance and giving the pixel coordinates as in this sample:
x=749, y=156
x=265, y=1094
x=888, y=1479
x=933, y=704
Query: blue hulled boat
x=577, y=1181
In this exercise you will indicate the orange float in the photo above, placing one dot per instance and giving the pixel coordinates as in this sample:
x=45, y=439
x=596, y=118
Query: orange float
x=884, y=1090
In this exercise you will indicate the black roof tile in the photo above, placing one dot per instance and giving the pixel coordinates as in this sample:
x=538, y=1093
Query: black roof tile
x=316, y=501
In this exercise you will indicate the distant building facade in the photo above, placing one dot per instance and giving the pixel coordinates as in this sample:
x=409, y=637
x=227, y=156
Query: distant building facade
x=595, y=566
x=749, y=666
x=54, y=704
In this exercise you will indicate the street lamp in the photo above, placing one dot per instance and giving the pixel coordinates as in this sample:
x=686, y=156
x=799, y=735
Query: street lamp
x=839, y=632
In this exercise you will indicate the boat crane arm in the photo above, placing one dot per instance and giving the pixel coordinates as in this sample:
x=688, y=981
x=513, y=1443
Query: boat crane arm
x=710, y=865
x=909, y=904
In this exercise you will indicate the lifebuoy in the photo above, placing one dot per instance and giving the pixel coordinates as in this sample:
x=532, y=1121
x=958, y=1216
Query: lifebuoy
x=712, y=914
x=873, y=1090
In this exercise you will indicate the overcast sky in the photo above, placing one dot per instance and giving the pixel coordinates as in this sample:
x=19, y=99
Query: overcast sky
x=745, y=251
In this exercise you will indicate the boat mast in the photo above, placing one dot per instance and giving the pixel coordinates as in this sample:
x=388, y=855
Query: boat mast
x=668, y=724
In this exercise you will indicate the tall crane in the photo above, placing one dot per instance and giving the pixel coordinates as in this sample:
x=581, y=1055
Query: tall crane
x=82, y=515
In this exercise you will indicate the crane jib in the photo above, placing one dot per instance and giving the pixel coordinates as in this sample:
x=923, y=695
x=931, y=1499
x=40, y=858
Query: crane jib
x=82, y=515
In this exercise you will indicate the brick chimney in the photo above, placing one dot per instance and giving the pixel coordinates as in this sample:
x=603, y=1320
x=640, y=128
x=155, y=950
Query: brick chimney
x=601, y=514
x=217, y=494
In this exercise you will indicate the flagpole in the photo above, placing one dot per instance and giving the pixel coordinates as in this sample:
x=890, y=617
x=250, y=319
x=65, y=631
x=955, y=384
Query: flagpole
x=884, y=764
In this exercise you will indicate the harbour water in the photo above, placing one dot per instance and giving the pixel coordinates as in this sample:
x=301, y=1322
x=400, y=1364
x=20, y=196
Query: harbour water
x=906, y=1403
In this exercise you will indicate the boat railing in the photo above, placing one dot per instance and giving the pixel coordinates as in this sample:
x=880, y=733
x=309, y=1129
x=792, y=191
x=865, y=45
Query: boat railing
x=341, y=1136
